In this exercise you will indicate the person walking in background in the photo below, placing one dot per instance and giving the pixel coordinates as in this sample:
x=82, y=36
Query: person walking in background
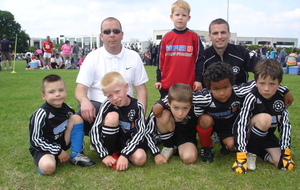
x=5, y=45
x=48, y=49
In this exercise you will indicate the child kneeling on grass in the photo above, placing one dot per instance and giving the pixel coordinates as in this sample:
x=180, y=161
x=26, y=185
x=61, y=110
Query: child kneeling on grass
x=176, y=123
x=54, y=127
x=262, y=112
x=119, y=133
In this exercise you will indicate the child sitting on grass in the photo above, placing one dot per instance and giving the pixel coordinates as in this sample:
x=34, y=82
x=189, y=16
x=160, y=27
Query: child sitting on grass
x=54, y=127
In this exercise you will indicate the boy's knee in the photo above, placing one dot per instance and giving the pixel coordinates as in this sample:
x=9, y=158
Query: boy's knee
x=111, y=119
x=76, y=119
x=205, y=121
x=47, y=168
x=139, y=158
x=189, y=158
x=263, y=121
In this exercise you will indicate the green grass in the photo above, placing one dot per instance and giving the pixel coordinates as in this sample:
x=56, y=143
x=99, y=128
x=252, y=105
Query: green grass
x=20, y=97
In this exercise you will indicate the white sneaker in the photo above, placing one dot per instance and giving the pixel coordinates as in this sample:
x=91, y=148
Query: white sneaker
x=11, y=68
x=167, y=152
x=251, y=161
x=92, y=148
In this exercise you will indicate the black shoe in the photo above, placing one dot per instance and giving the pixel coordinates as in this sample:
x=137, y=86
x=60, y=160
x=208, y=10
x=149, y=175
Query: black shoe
x=207, y=154
x=224, y=150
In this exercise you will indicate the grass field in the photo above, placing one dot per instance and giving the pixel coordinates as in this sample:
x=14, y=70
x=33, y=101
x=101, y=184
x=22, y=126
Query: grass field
x=20, y=97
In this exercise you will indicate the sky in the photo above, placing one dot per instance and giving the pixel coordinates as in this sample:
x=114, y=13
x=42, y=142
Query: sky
x=255, y=18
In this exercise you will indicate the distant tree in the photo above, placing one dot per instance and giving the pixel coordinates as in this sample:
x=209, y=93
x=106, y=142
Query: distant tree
x=11, y=28
x=32, y=49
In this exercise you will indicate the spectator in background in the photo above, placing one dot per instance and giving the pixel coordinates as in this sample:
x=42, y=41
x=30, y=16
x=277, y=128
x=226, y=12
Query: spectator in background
x=292, y=58
x=48, y=49
x=66, y=50
x=282, y=57
x=75, y=51
x=5, y=45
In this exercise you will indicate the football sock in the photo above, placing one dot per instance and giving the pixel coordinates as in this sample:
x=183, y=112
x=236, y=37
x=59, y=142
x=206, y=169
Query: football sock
x=205, y=136
x=254, y=142
x=77, y=136
x=110, y=138
x=167, y=139
x=40, y=171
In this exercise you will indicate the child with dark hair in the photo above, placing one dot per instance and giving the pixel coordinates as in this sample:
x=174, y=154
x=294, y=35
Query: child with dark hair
x=262, y=112
x=221, y=102
x=54, y=127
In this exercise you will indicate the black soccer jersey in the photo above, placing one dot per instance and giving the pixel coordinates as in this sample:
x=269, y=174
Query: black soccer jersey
x=47, y=127
x=237, y=56
x=223, y=113
x=132, y=126
x=254, y=104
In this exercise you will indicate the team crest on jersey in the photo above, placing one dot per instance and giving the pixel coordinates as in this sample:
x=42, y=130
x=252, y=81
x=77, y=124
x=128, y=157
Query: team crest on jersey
x=189, y=48
x=234, y=106
x=278, y=106
x=236, y=70
x=131, y=115
x=69, y=114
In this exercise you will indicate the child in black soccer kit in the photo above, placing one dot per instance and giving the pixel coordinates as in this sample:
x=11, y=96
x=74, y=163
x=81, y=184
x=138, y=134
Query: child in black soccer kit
x=221, y=102
x=54, y=127
x=119, y=134
x=179, y=126
x=262, y=112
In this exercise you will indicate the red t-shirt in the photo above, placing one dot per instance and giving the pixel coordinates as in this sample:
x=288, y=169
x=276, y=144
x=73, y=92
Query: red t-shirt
x=48, y=46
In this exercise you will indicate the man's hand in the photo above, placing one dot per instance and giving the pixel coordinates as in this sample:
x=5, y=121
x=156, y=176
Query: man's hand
x=88, y=111
x=240, y=165
x=197, y=86
x=286, y=162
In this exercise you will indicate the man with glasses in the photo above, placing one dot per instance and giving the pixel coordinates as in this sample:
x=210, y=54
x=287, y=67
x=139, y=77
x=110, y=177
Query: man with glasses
x=111, y=57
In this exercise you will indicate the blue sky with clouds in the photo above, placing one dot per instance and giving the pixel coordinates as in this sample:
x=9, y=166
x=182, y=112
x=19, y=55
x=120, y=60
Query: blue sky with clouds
x=139, y=18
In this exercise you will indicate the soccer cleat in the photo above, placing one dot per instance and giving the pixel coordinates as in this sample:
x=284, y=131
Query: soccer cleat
x=224, y=150
x=167, y=152
x=82, y=160
x=286, y=162
x=251, y=161
x=240, y=165
x=207, y=154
